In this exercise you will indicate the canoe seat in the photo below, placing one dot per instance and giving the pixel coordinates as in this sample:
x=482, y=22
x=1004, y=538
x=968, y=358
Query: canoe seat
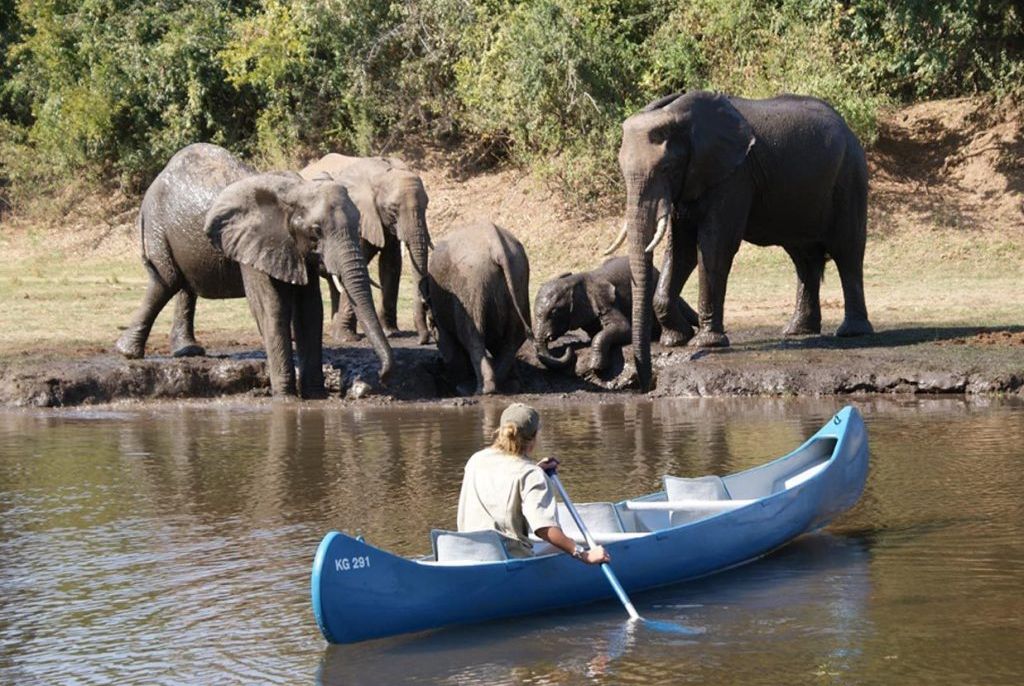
x=801, y=476
x=701, y=488
x=468, y=546
x=600, y=518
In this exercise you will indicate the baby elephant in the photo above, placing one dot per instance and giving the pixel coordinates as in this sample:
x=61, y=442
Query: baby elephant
x=600, y=302
x=479, y=281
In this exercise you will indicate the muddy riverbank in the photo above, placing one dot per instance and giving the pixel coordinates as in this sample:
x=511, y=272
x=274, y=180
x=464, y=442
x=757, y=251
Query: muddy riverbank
x=911, y=360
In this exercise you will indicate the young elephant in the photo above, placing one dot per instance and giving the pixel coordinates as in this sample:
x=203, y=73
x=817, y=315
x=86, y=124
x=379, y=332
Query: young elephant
x=600, y=302
x=212, y=227
x=479, y=280
x=392, y=207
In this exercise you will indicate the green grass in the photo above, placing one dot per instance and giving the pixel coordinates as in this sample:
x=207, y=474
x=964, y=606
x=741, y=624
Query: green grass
x=64, y=304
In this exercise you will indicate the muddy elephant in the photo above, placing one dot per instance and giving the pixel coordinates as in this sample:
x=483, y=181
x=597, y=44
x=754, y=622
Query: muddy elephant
x=600, y=302
x=479, y=280
x=392, y=205
x=212, y=227
x=706, y=171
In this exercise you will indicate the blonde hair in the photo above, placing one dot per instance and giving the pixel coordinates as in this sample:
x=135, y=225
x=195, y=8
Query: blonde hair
x=509, y=438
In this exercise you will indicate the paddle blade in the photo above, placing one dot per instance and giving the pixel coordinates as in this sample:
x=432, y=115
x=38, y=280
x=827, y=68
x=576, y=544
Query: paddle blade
x=666, y=627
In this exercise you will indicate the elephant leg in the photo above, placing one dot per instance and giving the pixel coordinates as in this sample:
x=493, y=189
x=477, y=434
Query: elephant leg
x=389, y=268
x=470, y=335
x=615, y=331
x=718, y=239
x=810, y=265
x=343, y=325
x=455, y=361
x=850, y=263
x=504, y=361
x=680, y=260
x=183, y=331
x=132, y=342
x=419, y=318
x=308, y=331
x=271, y=303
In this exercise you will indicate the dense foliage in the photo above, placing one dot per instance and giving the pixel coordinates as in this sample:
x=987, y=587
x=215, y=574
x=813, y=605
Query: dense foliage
x=111, y=88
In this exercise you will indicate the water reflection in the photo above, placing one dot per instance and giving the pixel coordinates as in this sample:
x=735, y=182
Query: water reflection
x=172, y=544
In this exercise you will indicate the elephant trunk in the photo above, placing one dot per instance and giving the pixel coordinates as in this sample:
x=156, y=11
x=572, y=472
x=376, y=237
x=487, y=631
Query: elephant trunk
x=549, y=360
x=355, y=281
x=412, y=230
x=644, y=210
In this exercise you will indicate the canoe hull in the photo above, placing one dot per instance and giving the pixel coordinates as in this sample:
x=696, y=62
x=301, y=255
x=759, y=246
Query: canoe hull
x=360, y=592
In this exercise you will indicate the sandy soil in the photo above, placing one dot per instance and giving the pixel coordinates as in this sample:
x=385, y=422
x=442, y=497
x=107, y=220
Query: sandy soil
x=947, y=185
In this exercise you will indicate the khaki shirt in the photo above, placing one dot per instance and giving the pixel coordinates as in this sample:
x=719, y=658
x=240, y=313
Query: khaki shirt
x=506, y=493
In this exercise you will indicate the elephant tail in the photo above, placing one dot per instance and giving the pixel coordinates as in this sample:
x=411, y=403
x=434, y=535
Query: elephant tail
x=515, y=273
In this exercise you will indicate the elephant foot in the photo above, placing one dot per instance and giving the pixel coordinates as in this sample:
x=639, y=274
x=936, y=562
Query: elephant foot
x=854, y=327
x=314, y=393
x=345, y=335
x=802, y=327
x=671, y=338
x=392, y=332
x=709, y=339
x=188, y=350
x=466, y=388
x=423, y=339
x=129, y=346
x=628, y=379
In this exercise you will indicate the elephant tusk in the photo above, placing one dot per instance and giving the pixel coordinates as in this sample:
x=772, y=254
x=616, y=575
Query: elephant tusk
x=337, y=283
x=412, y=260
x=663, y=224
x=618, y=241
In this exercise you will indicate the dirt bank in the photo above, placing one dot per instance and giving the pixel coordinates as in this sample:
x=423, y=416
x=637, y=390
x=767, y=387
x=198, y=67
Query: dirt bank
x=915, y=360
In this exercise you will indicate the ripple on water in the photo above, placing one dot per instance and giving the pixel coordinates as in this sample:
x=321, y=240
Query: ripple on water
x=173, y=545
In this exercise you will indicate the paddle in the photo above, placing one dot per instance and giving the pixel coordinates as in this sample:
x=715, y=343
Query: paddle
x=608, y=573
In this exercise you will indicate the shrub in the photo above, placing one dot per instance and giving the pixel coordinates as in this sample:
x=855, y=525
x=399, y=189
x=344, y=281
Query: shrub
x=111, y=89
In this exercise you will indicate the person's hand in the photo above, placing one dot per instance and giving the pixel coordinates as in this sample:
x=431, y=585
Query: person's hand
x=596, y=555
x=549, y=465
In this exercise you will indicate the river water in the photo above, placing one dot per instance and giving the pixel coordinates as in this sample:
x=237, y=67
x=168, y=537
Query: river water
x=173, y=543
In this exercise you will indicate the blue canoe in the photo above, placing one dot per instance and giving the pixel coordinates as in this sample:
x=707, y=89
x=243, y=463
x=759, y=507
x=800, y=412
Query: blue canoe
x=692, y=528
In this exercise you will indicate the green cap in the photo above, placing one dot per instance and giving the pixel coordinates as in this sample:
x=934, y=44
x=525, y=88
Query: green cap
x=524, y=417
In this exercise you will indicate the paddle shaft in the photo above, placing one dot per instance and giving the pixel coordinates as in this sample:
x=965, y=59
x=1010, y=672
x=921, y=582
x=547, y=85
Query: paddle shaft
x=608, y=573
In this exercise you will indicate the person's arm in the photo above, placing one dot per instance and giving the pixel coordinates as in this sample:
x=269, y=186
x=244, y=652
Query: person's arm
x=556, y=537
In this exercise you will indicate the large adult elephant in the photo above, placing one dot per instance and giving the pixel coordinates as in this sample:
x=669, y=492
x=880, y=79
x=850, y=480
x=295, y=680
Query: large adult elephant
x=705, y=171
x=212, y=227
x=393, y=212
x=479, y=302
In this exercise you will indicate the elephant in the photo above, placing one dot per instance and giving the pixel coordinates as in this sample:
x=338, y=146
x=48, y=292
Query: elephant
x=212, y=227
x=705, y=171
x=479, y=280
x=392, y=206
x=600, y=302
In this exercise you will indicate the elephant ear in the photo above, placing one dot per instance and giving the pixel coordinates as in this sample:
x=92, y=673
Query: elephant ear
x=604, y=298
x=720, y=139
x=663, y=101
x=370, y=227
x=249, y=224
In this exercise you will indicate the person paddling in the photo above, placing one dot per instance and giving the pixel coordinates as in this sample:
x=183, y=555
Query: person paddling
x=504, y=491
